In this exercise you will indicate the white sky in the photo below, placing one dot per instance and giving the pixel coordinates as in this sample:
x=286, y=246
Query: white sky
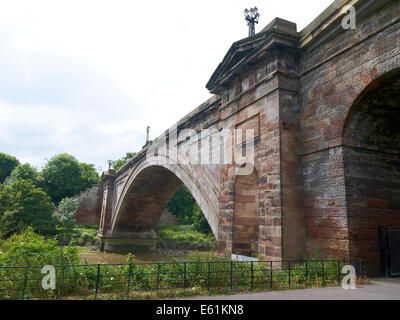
x=87, y=77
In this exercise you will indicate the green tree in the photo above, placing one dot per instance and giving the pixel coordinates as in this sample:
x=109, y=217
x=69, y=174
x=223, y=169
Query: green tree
x=23, y=204
x=25, y=172
x=62, y=177
x=7, y=165
x=118, y=164
x=200, y=222
x=65, y=213
x=186, y=209
x=89, y=175
x=182, y=205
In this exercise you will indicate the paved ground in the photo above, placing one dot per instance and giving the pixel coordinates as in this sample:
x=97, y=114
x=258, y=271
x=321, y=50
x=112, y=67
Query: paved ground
x=379, y=289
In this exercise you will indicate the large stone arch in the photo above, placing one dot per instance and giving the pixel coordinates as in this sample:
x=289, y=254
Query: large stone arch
x=371, y=158
x=148, y=189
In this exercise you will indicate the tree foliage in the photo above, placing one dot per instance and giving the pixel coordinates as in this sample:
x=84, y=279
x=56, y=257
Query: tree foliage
x=23, y=204
x=25, y=172
x=182, y=205
x=64, y=176
x=118, y=164
x=186, y=209
x=65, y=213
x=7, y=165
x=199, y=221
x=89, y=175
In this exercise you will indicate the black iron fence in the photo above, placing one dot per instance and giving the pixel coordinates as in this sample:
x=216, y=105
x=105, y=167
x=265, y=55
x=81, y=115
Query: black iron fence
x=144, y=280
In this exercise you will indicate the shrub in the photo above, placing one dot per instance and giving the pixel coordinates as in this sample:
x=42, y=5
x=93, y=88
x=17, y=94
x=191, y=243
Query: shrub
x=31, y=249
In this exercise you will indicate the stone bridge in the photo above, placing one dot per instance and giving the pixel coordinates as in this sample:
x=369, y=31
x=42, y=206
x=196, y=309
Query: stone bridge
x=324, y=106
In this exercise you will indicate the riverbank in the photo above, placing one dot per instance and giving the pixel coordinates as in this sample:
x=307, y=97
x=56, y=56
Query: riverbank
x=90, y=256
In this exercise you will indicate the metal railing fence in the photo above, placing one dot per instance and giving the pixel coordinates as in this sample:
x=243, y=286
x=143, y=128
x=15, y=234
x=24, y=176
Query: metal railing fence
x=130, y=280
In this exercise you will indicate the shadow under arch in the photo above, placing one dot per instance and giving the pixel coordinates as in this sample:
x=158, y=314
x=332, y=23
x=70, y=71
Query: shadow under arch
x=371, y=155
x=148, y=190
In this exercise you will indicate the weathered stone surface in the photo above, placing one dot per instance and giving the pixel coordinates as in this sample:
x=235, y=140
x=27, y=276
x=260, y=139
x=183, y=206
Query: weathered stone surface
x=89, y=206
x=324, y=106
x=167, y=218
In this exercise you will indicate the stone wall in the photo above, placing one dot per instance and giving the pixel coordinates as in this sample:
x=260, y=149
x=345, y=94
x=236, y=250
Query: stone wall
x=167, y=218
x=89, y=206
x=333, y=74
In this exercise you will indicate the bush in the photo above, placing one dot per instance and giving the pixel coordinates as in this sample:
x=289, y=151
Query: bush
x=31, y=249
x=22, y=204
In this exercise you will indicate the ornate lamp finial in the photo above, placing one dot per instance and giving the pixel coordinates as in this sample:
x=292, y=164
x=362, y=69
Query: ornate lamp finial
x=251, y=17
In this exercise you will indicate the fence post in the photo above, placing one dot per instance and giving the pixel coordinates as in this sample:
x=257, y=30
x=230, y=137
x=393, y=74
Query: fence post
x=184, y=276
x=129, y=280
x=338, y=272
x=252, y=275
x=209, y=276
x=25, y=282
x=323, y=273
x=289, y=266
x=97, y=280
x=271, y=275
x=158, y=276
x=62, y=282
x=306, y=273
x=231, y=275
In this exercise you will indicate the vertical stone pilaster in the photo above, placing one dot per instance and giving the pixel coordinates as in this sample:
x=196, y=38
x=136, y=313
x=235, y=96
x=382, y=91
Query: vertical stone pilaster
x=107, y=181
x=293, y=223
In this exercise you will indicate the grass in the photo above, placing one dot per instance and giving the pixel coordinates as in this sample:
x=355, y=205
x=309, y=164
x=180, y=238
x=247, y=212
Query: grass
x=81, y=234
x=185, y=237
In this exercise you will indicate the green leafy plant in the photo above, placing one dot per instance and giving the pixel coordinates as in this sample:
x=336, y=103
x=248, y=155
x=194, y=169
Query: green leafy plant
x=23, y=204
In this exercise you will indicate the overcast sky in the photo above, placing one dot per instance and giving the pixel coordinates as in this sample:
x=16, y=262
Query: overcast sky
x=87, y=77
